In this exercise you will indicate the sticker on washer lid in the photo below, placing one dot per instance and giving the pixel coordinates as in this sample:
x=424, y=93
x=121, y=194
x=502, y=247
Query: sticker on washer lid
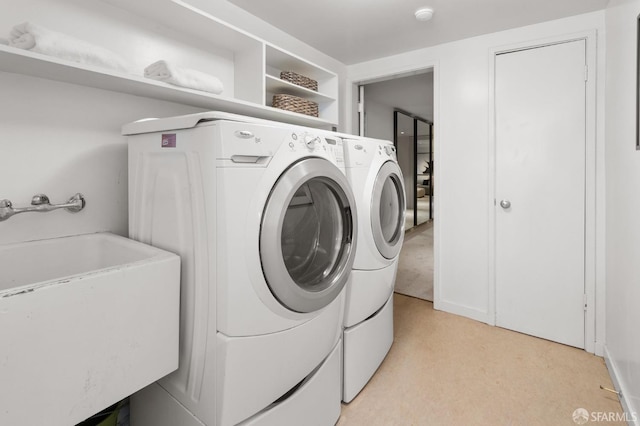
x=168, y=140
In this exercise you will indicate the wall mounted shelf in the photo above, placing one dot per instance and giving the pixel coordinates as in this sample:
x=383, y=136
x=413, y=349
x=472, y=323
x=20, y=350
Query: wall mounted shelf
x=253, y=70
x=278, y=60
x=37, y=65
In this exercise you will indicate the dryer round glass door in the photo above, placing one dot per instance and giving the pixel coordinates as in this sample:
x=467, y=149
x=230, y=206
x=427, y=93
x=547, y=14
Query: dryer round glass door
x=307, y=235
x=387, y=210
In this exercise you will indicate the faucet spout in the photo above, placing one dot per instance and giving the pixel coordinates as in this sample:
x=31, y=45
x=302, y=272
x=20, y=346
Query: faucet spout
x=39, y=199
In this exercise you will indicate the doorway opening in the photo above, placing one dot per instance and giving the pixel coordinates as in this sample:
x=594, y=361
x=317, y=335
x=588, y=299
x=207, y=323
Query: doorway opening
x=401, y=109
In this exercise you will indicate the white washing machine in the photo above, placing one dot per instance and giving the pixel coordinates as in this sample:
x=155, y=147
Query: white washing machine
x=263, y=218
x=377, y=182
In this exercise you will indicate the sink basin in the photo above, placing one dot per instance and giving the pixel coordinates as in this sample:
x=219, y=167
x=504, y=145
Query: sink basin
x=85, y=321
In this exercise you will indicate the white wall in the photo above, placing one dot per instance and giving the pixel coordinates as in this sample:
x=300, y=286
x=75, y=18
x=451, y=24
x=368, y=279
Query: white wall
x=463, y=181
x=60, y=138
x=623, y=202
x=378, y=119
x=413, y=94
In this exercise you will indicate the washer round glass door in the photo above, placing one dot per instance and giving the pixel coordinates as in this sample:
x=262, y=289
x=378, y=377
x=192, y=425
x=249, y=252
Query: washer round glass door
x=307, y=235
x=387, y=210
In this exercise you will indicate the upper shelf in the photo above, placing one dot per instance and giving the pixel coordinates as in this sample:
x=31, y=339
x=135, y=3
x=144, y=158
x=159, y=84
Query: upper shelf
x=37, y=65
x=286, y=61
x=277, y=60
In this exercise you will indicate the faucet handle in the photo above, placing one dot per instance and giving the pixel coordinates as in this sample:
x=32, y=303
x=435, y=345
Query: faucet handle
x=39, y=199
x=5, y=204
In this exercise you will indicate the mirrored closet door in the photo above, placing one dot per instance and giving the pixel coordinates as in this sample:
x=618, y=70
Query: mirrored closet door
x=413, y=137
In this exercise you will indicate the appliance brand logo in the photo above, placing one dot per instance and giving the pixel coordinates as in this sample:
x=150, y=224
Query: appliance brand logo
x=168, y=140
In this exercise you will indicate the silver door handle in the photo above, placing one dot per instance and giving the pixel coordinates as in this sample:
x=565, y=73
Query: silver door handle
x=505, y=204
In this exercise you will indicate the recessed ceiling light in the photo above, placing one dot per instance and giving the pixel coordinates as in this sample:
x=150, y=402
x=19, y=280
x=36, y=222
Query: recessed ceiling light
x=424, y=14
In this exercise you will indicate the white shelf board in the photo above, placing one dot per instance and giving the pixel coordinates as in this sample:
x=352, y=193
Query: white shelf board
x=284, y=61
x=277, y=85
x=24, y=62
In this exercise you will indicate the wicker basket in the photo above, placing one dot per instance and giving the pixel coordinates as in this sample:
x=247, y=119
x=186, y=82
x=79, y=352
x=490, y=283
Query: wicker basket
x=295, y=104
x=299, y=80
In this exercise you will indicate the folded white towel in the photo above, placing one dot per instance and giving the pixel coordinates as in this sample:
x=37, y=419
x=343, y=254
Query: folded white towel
x=183, y=77
x=38, y=39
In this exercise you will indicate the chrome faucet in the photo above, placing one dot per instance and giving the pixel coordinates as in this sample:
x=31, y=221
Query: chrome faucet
x=40, y=203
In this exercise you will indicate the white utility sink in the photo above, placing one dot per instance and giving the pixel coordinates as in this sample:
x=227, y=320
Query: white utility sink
x=84, y=322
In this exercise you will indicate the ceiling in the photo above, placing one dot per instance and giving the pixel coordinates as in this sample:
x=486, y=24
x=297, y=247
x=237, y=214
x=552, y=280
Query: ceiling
x=354, y=31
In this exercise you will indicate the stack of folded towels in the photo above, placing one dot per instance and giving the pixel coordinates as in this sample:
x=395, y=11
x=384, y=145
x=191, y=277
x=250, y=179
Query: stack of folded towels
x=183, y=77
x=35, y=38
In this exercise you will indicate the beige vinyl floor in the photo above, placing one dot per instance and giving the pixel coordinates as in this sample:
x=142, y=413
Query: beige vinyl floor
x=444, y=369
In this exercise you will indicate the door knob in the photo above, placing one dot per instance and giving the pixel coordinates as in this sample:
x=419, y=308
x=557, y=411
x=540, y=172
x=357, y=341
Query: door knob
x=505, y=204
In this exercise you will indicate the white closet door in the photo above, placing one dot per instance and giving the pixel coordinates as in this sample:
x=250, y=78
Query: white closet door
x=540, y=191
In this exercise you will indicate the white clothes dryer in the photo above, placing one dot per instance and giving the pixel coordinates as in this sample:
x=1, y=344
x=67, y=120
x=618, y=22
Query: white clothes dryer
x=377, y=182
x=263, y=218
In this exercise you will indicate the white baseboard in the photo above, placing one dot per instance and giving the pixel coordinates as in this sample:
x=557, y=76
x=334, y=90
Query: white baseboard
x=633, y=415
x=464, y=311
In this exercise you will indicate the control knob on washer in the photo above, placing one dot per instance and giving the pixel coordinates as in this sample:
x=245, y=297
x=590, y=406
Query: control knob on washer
x=311, y=141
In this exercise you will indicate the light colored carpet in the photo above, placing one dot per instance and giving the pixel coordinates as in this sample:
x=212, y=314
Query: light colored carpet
x=444, y=369
x=415, y=265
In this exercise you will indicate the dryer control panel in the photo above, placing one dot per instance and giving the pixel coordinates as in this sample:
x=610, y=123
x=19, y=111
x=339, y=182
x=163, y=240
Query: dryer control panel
x=388, y=150
x=362, y=152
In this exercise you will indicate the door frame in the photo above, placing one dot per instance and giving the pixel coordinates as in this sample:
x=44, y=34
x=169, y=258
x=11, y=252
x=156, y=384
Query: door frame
x=398, y=71
x=594, y=260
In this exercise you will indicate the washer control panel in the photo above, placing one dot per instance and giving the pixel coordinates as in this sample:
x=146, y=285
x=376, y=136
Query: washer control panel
x=314, y=144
